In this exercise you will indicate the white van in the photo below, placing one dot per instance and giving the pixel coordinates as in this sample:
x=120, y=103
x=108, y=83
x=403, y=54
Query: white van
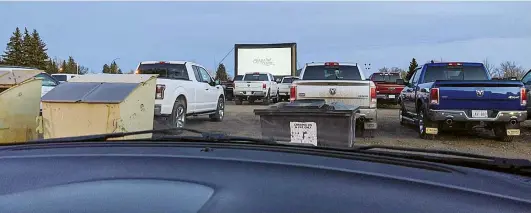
x=63, y=77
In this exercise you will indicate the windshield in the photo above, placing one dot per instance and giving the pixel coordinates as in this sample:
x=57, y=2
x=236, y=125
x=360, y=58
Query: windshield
x=340, y=72
x=255, y=77
x=60, y=77
x=220, y=63
x=170, y=71
x=391, y=78
x=434, y=73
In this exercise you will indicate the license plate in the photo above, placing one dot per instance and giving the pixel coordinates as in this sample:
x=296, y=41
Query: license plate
x=513, y=132
x=391, y=96
x=479, y=114
x=370, y=125
x=432, y=131
x=303, y=132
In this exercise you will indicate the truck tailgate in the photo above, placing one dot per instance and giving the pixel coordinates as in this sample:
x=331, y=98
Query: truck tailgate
x=355, y=93
x=386, y=88
x=480, y=95
x=283, y=87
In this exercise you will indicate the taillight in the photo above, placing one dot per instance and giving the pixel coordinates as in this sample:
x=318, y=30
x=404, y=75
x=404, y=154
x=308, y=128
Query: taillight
x=434, y=96
x=159, y=92
x=523, y=97
x=263, y=86
x=373, y=96
x=292, y=93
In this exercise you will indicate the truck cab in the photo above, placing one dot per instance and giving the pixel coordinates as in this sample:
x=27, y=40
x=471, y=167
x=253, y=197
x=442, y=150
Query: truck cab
x=461, y=96
x=526, y=80
x=184, y=88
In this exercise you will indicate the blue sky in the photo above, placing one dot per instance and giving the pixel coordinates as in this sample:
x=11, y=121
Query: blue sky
x=381, y=33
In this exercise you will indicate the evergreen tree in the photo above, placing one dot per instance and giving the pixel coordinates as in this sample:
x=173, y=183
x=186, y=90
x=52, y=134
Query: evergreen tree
x=39, y=49
x=63, y=67
x=106, y=69
x=13, y=55
x=27, y=50
x=52, y=66
x=221, y=73
x=412, y=66
x=70, y=66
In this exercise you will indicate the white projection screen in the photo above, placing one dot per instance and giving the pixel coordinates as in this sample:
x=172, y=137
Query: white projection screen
x=276, y=61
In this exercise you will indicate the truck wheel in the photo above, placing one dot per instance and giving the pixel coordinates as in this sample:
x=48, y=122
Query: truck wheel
x=220, y=111
x=500, y=132
x=423, y=122
x=238, y=101
x=277, y=98
x=267, y=99
x=178, y=114
x=401, y=113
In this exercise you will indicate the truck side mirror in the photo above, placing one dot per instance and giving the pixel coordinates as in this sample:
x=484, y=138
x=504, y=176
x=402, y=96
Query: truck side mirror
x=400, y=81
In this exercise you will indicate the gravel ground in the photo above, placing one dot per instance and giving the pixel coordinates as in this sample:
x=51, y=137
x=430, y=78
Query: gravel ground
x=240, y=120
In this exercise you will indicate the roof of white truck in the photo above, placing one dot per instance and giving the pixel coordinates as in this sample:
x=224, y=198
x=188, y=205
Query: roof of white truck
x=167, y=62
x=323, y=63
x=247, y=73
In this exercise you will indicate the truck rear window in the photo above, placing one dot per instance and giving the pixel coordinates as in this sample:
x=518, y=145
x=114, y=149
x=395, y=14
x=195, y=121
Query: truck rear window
x=322, y=72
x=255, y=77
x=59, y=77
x=238, y=78
x=391, y=77
x=288, y=80
x=170, y=71
x=434, y=73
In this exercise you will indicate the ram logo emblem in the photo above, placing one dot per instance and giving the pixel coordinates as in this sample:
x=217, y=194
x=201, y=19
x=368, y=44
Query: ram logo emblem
x=332, y=91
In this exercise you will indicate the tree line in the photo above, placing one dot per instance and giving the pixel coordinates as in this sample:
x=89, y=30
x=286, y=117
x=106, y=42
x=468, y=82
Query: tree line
x=506, y=69
x=29, y=50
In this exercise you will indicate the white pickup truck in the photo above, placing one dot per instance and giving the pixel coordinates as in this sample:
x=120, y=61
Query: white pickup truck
x=256, y=86
x=339, y=82
x=283, y=87
x=184, y=88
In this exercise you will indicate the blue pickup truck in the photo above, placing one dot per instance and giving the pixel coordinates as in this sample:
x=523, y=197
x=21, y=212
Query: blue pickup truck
x=461, y=96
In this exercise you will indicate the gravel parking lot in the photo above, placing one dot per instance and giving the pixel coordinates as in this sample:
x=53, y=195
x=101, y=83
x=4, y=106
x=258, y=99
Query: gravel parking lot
x=240, y=120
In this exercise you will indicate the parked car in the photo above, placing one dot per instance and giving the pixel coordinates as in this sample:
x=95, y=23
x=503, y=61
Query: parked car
x=388, y=86
x=339, y=82
x=62, y=77
x=284, y=85
x=256, y=86
x=526, y=80
x=184, y=88
x=461, y=96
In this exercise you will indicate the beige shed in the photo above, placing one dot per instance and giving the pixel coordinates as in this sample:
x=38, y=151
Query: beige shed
x=99, y=104
x=20, y=96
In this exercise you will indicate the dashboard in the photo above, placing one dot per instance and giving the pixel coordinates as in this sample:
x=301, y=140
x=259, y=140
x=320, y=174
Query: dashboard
x=195, y=177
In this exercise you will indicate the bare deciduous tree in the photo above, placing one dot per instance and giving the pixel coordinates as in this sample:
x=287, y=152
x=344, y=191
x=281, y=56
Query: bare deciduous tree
x=491, y=68
x=510, y=69
x=383, y=69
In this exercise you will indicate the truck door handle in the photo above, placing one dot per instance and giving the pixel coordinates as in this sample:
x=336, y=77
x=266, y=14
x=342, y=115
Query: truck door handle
x=206, y=89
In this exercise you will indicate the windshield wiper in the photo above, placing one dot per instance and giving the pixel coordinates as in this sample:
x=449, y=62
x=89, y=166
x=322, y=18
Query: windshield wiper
x=506, y=165
x=158, y=135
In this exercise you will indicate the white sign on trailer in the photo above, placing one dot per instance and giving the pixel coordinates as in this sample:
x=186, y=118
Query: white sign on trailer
x=276, y=61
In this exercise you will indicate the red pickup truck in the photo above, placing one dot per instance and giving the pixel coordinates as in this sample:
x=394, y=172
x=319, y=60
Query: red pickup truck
x=388, y=86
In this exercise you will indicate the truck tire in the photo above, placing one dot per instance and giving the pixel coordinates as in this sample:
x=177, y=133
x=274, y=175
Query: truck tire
x=277, y=98
x=220, y=111
x=178, y=114
x=401, y=113
x=500, y=132
x=422, y=122
x=267, y=99
x=238, y=101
